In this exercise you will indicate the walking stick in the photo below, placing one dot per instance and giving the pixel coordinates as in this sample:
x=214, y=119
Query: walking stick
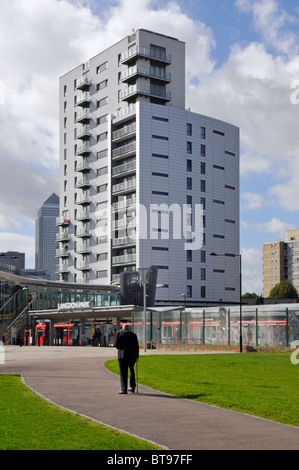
x=137, y=376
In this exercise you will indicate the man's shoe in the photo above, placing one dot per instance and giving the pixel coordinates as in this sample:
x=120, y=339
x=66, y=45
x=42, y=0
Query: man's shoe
x=122, y=392
x=131, y=390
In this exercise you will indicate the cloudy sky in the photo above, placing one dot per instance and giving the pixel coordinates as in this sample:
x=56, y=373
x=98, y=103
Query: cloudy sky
x=242, y=67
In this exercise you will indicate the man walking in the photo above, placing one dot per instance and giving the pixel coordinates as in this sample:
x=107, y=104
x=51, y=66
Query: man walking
x=128, y=353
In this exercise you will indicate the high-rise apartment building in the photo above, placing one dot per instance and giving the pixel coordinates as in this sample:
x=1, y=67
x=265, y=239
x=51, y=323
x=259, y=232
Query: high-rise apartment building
x=281, y=262
x=143, y=181
x=45, y=236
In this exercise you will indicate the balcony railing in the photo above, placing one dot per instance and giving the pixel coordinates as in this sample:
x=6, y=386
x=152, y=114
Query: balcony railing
x=125, y=186
x=83, y=232
x=82, y=149
x=85, y=248
x=124, y=150
x=83, y=183
x=84, y=99
x=83, y=116
x=84, y=215
x=125, y=168
x=62, y=237
x=123, y=241
x=83, y=166
x=83, y=199
x=124, y=259
x=151, y=72
x=124, y=223
x=124, y=131
x=82, y=83
x=62, y=221
x=83, y=265
x=83, y=133
x=144, y=52
x=138, y=89
x=62, y=253
x=117, y=206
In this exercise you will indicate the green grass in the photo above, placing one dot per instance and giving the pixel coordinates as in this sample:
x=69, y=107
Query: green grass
x=28, y=422
x=261, y=384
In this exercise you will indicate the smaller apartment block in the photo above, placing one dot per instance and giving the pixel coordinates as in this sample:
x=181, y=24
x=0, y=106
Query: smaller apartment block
x=281, y=262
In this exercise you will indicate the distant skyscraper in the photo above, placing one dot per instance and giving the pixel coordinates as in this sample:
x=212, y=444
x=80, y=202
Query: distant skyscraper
x=45, y=236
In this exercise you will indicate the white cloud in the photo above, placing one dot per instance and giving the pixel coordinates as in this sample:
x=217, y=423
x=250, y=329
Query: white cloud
x=252, y=271
x=252, y=201
x=16, y=242
x=275, y=226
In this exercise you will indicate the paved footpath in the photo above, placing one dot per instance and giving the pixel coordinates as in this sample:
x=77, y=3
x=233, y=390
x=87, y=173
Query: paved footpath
x=75, y=378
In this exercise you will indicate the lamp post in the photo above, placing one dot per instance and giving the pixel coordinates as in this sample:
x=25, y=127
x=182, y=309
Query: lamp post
x=240, y=277
x=143, y=274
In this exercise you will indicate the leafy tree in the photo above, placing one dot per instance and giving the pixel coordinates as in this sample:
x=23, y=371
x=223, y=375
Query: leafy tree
x=283, y=290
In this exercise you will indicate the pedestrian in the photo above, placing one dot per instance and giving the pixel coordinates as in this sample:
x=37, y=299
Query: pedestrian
x=128, y=353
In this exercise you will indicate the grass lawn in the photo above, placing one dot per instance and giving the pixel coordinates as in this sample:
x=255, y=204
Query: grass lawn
x=261, y=384
x=28, y=422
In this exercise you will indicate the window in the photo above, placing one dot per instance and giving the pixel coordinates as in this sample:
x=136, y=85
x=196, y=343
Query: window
x=203, y=132
x=102, y=256
x=102, y=154
x=160, y=137
x=216, y=201
x=218, y=133
x=158, y=155
x=165, y=175
x=102, y=171
x=230, y=154
x=217, y=167
x=203, y=203
x=189, y=129
x=102, y=67
x=219, y=236
x=102, y=102
x=159, y=248
x=189, y=183
x=203, y=186
x=189, y=255
x=102, y=274
x=160, y=193
x=202, y=274
x=102, y=136
x=102, y=85
x=102, y=188
x=158, y=52
x=202, y=256
x=189, y=273
x=189, y=200
x=102, y=119
x=229, y=187
x=157, y=118
x=189, y=147
x=202, y=150
x=202, y=168
x=189, y=292
x=203, y=292
x=189, y=165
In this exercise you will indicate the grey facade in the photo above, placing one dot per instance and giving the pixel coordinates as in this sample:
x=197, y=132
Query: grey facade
x=140, y=176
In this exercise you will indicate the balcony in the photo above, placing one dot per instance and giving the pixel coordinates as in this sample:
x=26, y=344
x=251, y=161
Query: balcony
x=125, y=113
x=124, y=259
x=83, y=149
x=151, y=91
x=62, y=221
x=125, y=150
x=84, y=215
x=83, y=100
x=83, y=232
x=150, y=72
x=83, y=83
x=62, y=268
x=83, y=249
x=124, y=169
x=124, y=223
x=84, y=133
x=83, y=183
x=134, y=52
x=124, y=205
x=126, y=241
x=62, y=253
x=126, y=186
x=83, y=199
x=83, y=166
x=83, y=116
x=83, y=266
x=62, y=237
x=124, y=132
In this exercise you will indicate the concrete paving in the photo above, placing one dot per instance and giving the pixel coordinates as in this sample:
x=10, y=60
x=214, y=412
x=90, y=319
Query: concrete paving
x=76, y=379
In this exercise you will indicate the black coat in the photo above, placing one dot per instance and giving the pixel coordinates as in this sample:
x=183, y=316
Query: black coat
x=127, y=345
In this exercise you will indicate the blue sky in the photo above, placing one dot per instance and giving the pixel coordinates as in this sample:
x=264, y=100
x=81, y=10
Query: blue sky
x=241, y=60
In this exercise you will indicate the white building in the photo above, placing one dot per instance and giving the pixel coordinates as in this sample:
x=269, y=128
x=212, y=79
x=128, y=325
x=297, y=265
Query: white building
x=132, y=160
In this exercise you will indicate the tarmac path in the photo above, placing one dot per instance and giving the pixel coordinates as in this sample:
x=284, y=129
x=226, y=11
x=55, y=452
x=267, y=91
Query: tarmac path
x=75, y=378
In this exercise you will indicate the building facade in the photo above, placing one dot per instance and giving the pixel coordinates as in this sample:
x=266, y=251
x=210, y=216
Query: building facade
x=45, y=236
x=281, y=262
x=143, y=181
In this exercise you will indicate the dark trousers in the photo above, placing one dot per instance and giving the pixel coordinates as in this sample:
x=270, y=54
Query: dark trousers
x=124, y=365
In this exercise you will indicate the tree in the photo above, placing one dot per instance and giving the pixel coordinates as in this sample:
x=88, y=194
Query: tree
x=283, y=290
